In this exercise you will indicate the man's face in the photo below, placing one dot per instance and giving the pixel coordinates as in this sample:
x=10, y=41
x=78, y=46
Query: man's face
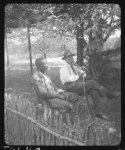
x=43, y=67
x=69, y=60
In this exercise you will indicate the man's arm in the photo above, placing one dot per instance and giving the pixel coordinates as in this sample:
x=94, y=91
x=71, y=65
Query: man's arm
x=66, y=76
x=43, y=92
x=47, y=94
x=78, y=69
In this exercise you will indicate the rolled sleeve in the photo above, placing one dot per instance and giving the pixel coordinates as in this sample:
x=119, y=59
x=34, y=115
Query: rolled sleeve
x=73, y=78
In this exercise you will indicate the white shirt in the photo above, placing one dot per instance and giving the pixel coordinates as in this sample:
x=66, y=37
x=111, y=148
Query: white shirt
x=67, y=74
x=46, y=79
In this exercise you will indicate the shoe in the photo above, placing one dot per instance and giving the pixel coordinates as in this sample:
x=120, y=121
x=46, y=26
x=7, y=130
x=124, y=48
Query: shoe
x=105, y=117
x=117, y=94
x=102, y=116
x=113, y=95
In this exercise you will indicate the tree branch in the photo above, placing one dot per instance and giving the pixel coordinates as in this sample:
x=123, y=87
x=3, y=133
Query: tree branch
x=110, y=32
x=111, y=21
x=110, y=54
x=109, y=25
x=106, y=53
x=111, y=16
x=90, y=24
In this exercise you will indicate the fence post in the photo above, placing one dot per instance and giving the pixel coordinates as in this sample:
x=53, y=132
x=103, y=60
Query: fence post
x=29, y=45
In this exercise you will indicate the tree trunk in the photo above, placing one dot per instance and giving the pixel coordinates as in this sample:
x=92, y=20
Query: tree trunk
x=99, y=32
x=43, y=42
x=90, y=36
x=30, y=52
x=80, y=40
x=7, y=53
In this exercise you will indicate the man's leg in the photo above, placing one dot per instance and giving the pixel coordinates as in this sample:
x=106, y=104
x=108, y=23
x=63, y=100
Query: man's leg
x=71, y=96
x=75, y=87
x=60, y=104
x=94, y=85
x=78, y=86
x=95, y=97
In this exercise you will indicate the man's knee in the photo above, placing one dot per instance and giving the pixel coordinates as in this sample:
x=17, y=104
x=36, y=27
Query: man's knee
x=71, y=96
x=93, y=82
x=62, y=104
x=90, y=84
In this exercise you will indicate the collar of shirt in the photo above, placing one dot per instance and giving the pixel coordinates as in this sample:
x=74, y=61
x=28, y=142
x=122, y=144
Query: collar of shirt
x=43, y=76
x=48, y=82
x=70, y=69
x=75, y=69
x=46, y=78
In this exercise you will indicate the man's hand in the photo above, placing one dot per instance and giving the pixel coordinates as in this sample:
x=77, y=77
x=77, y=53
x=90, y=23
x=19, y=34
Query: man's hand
x=60, y=91
x=60, y=96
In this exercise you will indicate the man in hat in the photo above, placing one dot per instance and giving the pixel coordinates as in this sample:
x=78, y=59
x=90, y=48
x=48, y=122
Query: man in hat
x=71, y=76
x=47, y=90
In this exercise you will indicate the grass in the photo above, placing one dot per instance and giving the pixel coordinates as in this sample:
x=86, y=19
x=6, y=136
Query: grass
x=18, y=79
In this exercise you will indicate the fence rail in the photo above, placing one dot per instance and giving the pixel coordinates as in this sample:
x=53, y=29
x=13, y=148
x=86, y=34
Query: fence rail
x=25, y=124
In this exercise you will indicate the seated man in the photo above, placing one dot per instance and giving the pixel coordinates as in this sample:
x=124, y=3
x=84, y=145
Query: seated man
x=47, y=90
x=71, y=77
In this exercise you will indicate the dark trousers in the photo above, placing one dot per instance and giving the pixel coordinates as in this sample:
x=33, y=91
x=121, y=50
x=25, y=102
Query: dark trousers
x=78, y=86
x=59, y=104
x=91, y=87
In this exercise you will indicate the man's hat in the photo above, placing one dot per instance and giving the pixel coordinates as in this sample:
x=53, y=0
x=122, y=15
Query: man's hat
x=67, y=53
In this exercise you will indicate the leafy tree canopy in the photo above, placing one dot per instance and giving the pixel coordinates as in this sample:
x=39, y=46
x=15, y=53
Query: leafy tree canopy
x=100, y=19
x=94, y=22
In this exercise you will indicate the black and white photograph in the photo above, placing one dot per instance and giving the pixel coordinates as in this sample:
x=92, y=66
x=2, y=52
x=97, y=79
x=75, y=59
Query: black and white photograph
x=62, y=69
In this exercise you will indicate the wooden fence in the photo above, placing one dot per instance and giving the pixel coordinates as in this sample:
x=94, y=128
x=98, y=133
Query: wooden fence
x=26, y=124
